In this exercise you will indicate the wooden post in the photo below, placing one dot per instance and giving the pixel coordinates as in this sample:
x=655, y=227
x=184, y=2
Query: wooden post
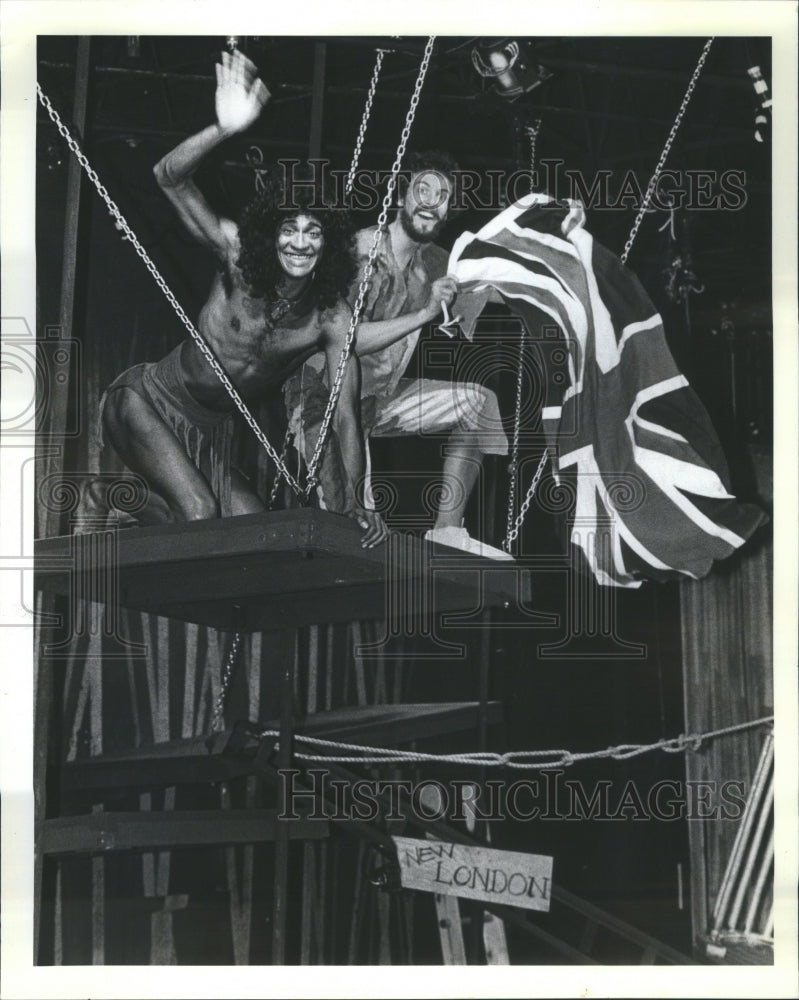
x=50, y=522
x=52, y=454
x=286, y=642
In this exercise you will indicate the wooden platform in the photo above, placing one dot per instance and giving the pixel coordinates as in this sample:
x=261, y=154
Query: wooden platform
x=190, y=761
x=274, y=570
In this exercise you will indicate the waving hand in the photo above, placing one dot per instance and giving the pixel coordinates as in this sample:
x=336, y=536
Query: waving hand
x=240, y=92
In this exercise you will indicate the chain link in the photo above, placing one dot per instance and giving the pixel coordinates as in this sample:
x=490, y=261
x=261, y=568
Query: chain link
x=513, y=467
x=227, y=673
x=356, y=312
x=356, y=155
x=198, y=339
x=650, y=188
x=513, y=533
x=276, y=484
x=532, y=135
x=357, y=753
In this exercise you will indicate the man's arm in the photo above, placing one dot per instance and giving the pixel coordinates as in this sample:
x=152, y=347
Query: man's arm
x=347, y=424
x=240, y=96
x=376, y=335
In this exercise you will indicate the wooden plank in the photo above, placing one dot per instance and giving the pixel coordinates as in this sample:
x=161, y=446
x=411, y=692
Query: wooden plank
x=188, y=761
x=295, y=567
x=450, y=929
x=125, y=831
x=286, y=653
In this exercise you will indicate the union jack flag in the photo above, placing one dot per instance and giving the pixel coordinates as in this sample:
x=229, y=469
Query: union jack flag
x=650, y=481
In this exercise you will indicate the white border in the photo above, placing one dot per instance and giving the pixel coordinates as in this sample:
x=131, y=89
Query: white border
x=20, y=22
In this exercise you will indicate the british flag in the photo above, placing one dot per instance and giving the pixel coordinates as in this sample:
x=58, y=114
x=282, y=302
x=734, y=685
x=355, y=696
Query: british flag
x=648, y=475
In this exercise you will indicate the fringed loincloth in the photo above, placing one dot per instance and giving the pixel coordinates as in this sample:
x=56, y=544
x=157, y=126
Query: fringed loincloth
x=206, y=435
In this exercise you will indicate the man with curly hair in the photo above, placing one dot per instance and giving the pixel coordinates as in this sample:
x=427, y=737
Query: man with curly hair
x=277, y=298
x=408, y=267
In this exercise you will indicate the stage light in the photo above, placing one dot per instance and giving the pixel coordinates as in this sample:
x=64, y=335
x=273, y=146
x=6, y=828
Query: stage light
x=511, y=65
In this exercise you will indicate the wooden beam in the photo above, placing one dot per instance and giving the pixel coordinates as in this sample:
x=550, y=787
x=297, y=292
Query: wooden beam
x=287, y=651
x=189, y=761
x=52, y=458
x=263, y=572
x=99, y=833
x=58, y=391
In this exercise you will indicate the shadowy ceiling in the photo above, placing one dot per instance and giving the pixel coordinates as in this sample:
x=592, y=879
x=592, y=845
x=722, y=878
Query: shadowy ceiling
x=608, y=105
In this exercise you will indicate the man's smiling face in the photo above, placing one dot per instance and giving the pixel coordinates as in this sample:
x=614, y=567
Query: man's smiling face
x=299, y=245
x=425, y=206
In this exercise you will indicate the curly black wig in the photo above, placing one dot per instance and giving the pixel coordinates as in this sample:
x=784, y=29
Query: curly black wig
x=285, y=195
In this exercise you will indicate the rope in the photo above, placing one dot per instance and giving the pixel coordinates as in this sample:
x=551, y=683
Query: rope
x=650, y=188
x=515, y=759
x=206, y=351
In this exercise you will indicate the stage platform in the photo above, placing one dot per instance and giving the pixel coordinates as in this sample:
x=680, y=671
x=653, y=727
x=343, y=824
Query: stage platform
x=274, y=570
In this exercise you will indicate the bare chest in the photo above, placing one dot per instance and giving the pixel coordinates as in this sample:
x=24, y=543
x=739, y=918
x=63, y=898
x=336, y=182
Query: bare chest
x=258, y=347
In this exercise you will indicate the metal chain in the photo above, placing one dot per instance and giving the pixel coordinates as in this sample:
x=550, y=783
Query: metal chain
x=532, y=134
x=650, y=188
x=513, y=532
x=198, y=339
x=513, y=466
x=279, y=476
x=518, y=759
x=356, y=312
x=356, y=155
x=227, y=673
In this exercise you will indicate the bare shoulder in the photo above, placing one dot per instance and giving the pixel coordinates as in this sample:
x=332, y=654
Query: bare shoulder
x=335, y=322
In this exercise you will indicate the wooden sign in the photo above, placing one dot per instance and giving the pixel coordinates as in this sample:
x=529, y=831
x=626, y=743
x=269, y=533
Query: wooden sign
x=506, y=877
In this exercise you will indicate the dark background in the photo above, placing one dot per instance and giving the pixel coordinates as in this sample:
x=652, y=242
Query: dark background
x=608, y=105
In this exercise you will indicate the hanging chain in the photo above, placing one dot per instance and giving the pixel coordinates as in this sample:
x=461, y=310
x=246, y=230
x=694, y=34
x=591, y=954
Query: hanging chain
x=367, y=274
x=276, y=484
x=513, y=467
x=227, y=673
x=198, y=339
x=513, y=532
x=531, y=131
x=356, y=155
x=282, y=470
x=650, y=188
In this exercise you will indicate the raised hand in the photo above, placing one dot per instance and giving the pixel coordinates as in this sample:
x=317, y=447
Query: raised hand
x=240, y=92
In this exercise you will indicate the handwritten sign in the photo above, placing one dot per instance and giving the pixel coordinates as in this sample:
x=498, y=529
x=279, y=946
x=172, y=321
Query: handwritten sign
x=507, y=877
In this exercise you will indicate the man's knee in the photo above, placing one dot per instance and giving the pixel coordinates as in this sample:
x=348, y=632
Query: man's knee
x=479, y=419
x=195, y=506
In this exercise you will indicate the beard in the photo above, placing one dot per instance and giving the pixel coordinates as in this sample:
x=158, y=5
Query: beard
x=406, y=221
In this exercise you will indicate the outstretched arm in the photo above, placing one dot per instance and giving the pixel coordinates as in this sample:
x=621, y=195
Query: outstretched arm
x=381, y=333
x=347, y=424
x=240, y=96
